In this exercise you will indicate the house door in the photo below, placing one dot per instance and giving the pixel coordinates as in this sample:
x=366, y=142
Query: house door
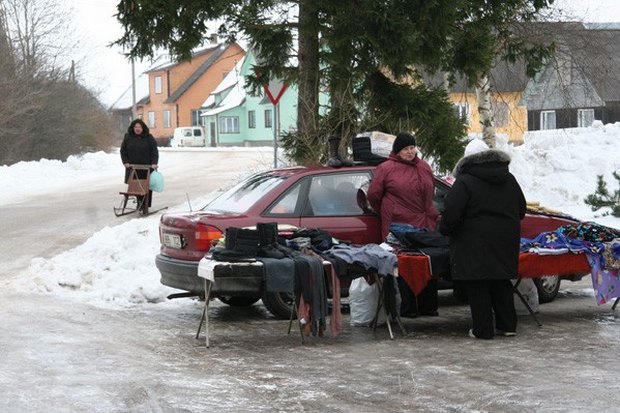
x=212, y=132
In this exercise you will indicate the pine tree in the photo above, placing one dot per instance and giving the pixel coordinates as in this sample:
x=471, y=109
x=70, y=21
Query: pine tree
x=358, y=51
x=602, y=198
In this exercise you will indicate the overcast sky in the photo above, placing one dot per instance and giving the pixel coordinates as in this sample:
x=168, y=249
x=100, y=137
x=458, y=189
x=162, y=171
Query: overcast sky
x=106, y=71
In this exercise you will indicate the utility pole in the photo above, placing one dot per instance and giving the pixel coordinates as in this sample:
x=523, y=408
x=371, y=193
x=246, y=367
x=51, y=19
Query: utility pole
x=134, y=110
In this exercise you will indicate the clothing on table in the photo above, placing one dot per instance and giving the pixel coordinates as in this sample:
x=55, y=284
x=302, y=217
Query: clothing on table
x=310, y=285
x=599, y=244
x=370, y=256
x=425, y=303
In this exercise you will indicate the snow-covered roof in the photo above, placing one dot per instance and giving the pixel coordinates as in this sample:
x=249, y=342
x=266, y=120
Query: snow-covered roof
x=234, y=85
x=166, y=61
x=125, y=101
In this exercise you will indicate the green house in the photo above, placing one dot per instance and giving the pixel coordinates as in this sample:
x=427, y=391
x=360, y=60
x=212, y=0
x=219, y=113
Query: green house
x=233, y=117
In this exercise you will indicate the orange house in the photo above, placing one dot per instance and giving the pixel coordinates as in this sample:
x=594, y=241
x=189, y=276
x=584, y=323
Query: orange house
x=177, y=90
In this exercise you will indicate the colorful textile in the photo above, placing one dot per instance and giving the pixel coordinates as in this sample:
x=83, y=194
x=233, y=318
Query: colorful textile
x=599, y=244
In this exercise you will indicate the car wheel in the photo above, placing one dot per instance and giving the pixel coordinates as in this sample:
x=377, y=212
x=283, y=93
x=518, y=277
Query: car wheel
x=238, y=301
x=547, y=287
x=279, y=304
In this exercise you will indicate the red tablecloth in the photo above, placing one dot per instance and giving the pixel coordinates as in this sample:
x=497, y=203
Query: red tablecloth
x=415, y=269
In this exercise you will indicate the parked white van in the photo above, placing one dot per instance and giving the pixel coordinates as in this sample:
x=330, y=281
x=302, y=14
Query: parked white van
x=188, y=136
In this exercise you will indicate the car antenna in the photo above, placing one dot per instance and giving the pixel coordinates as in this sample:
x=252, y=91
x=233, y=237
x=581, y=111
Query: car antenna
x=188, y=202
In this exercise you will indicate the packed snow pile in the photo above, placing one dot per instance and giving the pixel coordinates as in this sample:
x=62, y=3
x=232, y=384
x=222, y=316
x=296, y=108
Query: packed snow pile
x=558, y=168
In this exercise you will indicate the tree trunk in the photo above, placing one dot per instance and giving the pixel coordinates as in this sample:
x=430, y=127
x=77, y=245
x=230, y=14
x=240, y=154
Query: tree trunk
x=483, y=95
x=308, y=56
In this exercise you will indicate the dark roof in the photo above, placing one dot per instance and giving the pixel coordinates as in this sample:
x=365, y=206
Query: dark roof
x=504, y=77
x=584, y=72
x=215, y=56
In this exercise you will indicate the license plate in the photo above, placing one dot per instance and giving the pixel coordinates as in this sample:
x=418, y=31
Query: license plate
x=173, y=241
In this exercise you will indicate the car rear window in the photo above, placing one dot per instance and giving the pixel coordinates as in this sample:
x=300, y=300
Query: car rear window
x=242, y=196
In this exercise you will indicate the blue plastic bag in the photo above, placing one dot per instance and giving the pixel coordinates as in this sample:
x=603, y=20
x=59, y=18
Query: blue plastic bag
x=156, y=181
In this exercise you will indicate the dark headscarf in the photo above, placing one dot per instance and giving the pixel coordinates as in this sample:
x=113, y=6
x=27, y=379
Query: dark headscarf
x=145, y=129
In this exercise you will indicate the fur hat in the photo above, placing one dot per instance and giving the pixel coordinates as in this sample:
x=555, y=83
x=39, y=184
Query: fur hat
x=403, y=139
x=476, y=146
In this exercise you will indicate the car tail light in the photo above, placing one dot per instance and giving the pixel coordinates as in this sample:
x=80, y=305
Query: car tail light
x=206, y=236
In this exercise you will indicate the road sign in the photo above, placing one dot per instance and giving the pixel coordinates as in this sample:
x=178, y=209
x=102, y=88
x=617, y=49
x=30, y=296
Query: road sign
x=275, y=89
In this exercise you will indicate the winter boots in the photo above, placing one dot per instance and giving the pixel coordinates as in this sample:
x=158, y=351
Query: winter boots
x=242, y=244
x=335, y=160
x=268, y=241
x=239, y=244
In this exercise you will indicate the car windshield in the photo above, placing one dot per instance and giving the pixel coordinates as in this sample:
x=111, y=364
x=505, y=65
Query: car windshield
x=242, y=196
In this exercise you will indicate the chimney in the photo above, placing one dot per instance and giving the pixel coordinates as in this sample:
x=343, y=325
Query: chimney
x=213, y=38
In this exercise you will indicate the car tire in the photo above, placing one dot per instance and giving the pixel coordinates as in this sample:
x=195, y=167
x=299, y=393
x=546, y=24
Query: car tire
x=238, y=301
x=279, y=304
x=547, y=287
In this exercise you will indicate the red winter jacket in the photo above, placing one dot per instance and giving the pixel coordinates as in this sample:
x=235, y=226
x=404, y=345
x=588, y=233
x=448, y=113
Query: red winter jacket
x=402, y=192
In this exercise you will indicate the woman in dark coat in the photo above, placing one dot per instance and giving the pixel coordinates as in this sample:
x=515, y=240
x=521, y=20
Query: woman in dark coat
x=139, y=147
x=482, y=215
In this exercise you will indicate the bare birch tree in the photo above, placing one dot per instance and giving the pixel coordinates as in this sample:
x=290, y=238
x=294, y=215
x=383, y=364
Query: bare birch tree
x=42, y=111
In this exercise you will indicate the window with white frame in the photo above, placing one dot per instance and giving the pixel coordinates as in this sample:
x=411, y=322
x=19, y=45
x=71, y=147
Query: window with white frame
x=547, y=119
x=229, y=124
x=196, y=117
x=151, y=119
x=166, y=118
x=585, y=117
x=157, y=85
x=461, y=111
x=251, y=119
x=268, y=118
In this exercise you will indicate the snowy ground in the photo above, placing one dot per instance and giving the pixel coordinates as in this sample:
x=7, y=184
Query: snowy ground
x=99, y=337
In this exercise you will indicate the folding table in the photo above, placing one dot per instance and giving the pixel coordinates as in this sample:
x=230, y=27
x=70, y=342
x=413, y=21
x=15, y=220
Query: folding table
x=417, y=272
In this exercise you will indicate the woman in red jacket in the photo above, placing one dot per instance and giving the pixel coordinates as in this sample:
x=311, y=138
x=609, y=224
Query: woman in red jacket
x=402, y=188
x=401, y=191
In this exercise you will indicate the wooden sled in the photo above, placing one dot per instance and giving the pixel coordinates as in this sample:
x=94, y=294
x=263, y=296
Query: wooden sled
x=136, y=197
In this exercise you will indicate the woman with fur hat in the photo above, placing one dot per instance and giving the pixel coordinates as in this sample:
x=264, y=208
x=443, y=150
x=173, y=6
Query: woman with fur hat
x=139, y=147
x=482, y=214
x=401, y=191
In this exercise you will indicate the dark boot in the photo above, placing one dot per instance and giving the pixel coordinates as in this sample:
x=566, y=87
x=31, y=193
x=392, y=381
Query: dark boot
x=268, y=240
x=335, y=160
x=230, y=240
x=247, y=242
x=267, y=233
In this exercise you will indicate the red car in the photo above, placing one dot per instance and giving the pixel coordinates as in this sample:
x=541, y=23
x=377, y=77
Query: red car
x=306, y=197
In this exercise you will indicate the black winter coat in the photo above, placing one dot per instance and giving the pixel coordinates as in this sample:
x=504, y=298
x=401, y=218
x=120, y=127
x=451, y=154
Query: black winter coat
x=482, y=215
x=141, y=150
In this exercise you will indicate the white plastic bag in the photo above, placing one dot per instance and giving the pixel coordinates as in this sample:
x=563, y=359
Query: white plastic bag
x=363, y=303
x=528, y=290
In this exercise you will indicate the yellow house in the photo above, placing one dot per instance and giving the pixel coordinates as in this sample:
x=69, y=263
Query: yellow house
x=508, y=82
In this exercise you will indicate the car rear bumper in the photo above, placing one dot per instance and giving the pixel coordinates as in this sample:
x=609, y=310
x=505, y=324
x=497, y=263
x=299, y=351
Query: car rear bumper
x=229, y=280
